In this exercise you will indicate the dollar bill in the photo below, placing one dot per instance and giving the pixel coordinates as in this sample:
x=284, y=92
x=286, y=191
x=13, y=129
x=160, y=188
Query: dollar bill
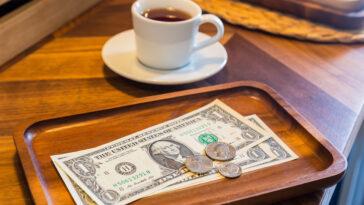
x=247, y=159
x=270, y=152
x=144, y=162
x=79, y=196
x=273, y=144
x=275, y=152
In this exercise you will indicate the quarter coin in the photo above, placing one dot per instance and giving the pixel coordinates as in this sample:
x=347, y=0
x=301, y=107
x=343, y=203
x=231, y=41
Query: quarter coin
x=199, y=164
x=230, y=170
x=220, y=151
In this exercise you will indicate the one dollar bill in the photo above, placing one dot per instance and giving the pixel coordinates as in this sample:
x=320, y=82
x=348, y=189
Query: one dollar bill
x=147, y=161
x=270, y=152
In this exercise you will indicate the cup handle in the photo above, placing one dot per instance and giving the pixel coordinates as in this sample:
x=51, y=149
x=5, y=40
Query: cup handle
x=209, y=18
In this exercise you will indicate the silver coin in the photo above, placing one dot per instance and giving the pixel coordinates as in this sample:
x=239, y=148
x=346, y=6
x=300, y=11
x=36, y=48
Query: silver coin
x=199, y=164
x=230, y=170
x=220, y=151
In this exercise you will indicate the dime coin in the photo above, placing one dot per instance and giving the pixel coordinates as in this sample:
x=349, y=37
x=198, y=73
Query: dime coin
x=230, y=170
x=199, y=164
x=220, y=151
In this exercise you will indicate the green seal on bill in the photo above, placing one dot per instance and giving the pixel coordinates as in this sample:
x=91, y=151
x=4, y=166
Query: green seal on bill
x=207, y=138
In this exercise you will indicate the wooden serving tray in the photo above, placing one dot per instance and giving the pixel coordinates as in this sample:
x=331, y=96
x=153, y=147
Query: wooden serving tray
x=316, y=12
x=319, y=165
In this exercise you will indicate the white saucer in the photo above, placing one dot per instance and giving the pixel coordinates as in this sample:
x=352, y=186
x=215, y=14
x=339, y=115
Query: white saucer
x=119, y=54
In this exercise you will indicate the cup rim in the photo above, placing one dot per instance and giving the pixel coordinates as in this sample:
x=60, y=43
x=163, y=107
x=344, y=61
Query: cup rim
x=138, y=15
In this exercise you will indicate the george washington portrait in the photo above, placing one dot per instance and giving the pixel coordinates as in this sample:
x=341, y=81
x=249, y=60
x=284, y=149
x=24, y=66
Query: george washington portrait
x=169, y=153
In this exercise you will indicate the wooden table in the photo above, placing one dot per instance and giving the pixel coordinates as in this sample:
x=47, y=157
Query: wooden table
x=64, y=74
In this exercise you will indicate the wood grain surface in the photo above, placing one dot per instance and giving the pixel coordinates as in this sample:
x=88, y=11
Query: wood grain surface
x=12, y=186
x=33, y=21
x=319, y=164
x=64, y=74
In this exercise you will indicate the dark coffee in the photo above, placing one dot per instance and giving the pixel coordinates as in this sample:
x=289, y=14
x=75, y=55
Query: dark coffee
x=166, y=14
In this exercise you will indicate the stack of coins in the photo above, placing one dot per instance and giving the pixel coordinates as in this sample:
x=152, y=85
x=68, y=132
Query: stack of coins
x=219, y=151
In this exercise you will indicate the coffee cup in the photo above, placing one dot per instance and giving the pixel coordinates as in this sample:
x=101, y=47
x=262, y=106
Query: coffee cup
x=164, y=44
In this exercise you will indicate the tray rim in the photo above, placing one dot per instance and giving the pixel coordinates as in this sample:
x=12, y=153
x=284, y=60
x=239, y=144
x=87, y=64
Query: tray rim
x=37, y=185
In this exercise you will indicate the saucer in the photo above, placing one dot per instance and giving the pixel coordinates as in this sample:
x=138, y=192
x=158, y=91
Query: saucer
x=119, y=54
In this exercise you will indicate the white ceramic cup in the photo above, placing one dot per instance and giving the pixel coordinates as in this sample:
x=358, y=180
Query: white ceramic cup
x=169, y=45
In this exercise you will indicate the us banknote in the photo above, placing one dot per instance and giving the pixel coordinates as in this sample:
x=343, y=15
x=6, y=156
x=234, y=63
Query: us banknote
x=144, y=162
x=79, y=196
x=270, y=152
x=246, y=159
x=273, y=144
x=276, y=152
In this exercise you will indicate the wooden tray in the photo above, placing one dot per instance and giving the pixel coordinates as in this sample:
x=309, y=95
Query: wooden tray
x=319, y=165
x=315, y=12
